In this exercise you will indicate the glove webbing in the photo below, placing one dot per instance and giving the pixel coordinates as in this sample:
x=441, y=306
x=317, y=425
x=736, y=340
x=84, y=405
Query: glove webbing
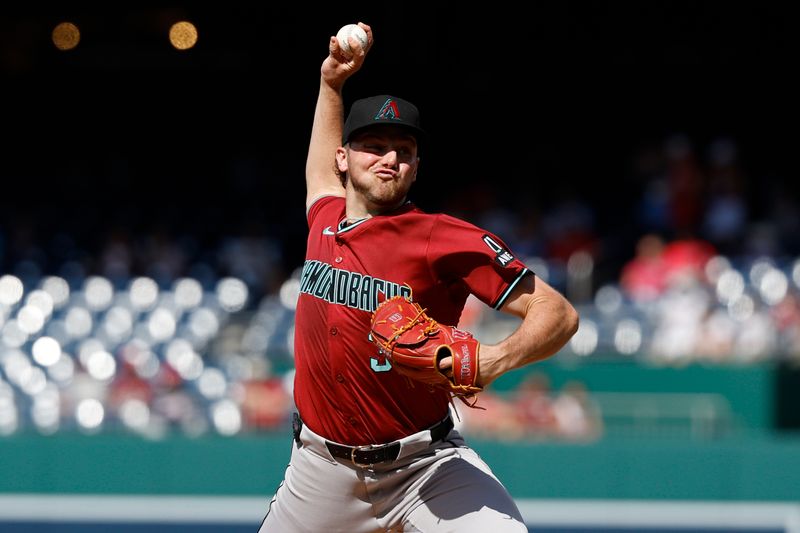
x=418, y=319
x=429, y=329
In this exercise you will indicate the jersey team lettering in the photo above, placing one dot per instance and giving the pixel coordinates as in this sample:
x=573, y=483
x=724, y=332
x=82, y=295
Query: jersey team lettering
x=352, y=289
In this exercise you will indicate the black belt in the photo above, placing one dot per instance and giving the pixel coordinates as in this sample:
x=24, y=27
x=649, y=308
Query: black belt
x=375, y=454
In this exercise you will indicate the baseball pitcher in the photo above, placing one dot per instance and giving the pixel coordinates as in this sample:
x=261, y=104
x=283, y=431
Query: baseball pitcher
x=378, y=359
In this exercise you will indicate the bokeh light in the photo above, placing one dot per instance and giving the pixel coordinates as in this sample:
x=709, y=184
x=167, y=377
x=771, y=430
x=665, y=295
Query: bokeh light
x=188, y=293
x=42, y=300
x=58, y=289
x=98, y=292
x=226, y=417
x=78, y=322
x=232, y=294
x=66, y=36
x=161, y=324
x=584, y=342
x=46, y=351
x=11, y=290
x=628, y=336
x=90, y=413
x=183, y=35
x=143, y=293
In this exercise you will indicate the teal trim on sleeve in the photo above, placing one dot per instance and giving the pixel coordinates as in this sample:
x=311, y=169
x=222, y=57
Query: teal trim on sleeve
x=502, y=299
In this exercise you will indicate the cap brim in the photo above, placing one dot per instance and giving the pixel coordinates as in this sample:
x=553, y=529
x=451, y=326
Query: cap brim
x=418, y=134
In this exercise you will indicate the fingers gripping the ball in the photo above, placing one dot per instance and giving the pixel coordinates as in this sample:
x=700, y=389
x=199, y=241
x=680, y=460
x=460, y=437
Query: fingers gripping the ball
x=351, y=33
x=351, y=42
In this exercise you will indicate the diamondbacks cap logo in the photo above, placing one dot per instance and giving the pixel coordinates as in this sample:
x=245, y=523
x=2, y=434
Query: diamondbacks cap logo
x=388, y=111
x=382, y=109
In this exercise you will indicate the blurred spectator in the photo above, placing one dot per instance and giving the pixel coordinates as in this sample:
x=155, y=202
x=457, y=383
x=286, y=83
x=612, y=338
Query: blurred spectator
x=533, y=412
x=491, y=214
x=569, y=228
x=24, y=250
x=652, y=210
x=495, y=418
x=254, y=258
x=761, y=240
x=658, y=265
x=643, y=278
x=533, y=405
x=755, y=339
x=717, y=335
x=577, y=416
x=726, y=214
x=784, y=216
x=786, y=317
x=82, y=387
x=172, y=401
x=128, y=385
x=678, y=317
x=527, y=239
x=686, y=258
x=686, y=185
x=266, y=404
x=160, y=257
x=116, y=258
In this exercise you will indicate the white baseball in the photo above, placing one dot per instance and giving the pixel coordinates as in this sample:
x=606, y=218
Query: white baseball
x=351, y=30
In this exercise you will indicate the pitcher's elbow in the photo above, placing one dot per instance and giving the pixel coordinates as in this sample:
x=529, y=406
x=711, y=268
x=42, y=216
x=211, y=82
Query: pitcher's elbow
x=571, y=321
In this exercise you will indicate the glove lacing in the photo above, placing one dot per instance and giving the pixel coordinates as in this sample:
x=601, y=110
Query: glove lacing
x=429, y=330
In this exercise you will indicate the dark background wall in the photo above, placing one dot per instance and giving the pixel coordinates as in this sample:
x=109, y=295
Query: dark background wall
x=540, y=101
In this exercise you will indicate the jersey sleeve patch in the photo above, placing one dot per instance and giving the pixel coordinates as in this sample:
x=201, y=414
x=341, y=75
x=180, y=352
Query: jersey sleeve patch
x=501, y=256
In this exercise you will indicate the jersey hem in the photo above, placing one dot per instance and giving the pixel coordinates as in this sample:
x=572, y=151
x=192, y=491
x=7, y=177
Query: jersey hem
x=502, y=299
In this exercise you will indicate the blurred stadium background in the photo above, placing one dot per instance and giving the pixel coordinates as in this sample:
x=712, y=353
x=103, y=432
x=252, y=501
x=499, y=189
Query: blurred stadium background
x=638, y=155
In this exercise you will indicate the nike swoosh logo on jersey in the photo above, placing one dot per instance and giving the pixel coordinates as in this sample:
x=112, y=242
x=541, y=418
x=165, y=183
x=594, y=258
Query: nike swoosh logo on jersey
x=328, y=231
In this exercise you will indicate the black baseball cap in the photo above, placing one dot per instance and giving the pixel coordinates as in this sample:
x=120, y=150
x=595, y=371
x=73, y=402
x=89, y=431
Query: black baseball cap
x=380, y=110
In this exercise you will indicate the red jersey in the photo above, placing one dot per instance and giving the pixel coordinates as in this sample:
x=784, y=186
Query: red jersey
x=344, y=390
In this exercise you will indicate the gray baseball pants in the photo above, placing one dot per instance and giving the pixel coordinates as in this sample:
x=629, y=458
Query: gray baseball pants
x=430, y=487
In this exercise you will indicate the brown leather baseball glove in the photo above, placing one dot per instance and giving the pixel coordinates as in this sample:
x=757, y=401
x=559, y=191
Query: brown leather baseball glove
x=415, y=343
